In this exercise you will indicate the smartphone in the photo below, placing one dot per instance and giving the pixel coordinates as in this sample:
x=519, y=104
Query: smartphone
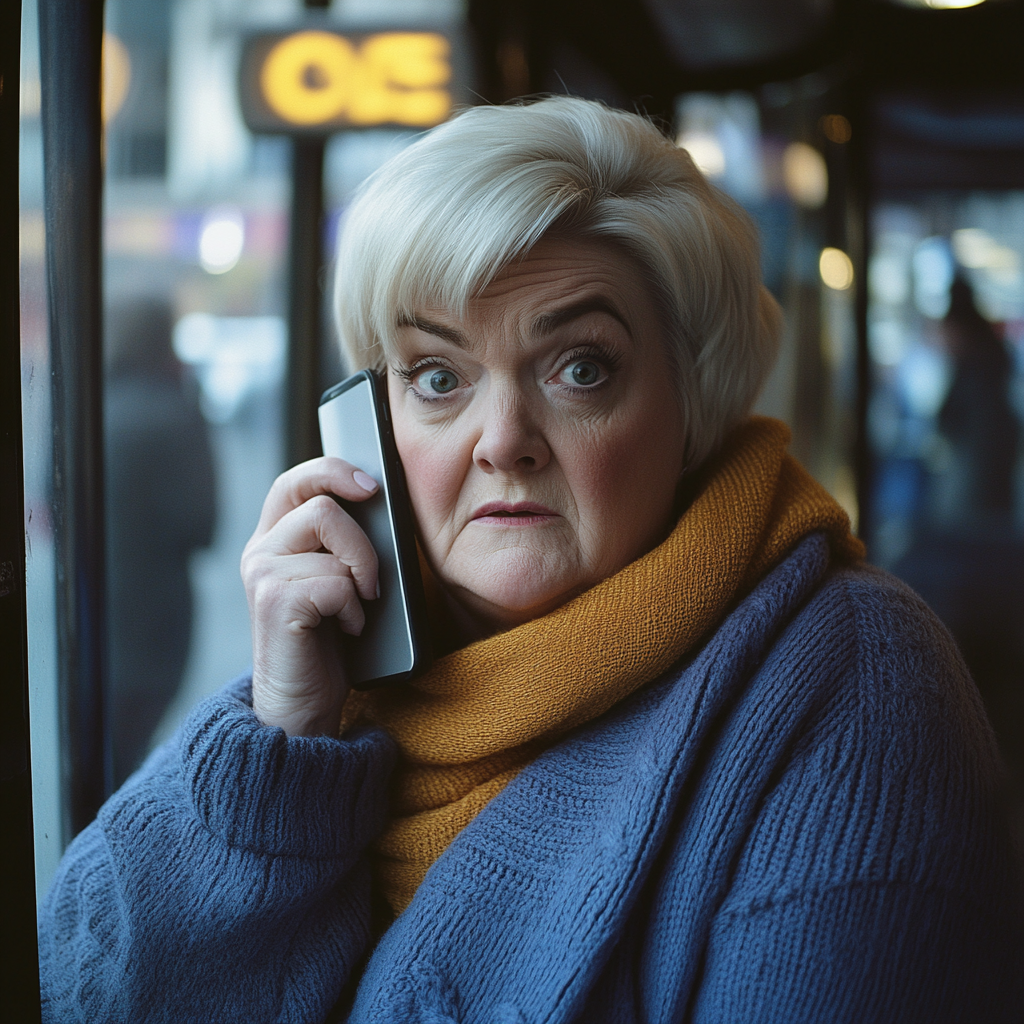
x=355, y=425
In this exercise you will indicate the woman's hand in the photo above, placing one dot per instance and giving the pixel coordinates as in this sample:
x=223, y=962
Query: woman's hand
x=306, y=567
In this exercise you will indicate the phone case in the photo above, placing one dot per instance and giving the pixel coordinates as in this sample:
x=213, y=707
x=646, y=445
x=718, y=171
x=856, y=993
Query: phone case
x=355, y=425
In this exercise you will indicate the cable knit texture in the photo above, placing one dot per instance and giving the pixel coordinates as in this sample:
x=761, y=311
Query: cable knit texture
x=466, y=727
x=801, y=822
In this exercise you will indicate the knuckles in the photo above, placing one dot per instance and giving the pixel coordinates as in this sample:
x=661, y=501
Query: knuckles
x=274, y=598
x=277, y=598
x=323, y=507
x=255, y=565
x=269, y=597
x=327, y=517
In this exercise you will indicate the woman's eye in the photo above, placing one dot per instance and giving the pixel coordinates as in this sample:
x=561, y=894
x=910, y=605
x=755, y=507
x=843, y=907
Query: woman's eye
x=582, y=373
x=437, y=381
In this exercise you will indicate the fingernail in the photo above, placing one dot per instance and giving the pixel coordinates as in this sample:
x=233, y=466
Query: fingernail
x=365, y=481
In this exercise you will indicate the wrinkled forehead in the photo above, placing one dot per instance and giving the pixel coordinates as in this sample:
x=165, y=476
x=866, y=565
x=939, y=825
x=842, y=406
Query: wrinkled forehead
x=560, y=279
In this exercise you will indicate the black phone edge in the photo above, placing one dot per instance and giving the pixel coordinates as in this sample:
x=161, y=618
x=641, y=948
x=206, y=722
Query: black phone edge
x=405, y=531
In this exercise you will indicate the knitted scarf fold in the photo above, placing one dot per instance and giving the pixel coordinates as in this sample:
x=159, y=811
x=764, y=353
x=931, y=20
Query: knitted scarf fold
x=470, y=724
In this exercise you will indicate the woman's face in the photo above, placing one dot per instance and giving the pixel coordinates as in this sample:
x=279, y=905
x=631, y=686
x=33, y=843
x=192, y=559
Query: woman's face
x=541, y=434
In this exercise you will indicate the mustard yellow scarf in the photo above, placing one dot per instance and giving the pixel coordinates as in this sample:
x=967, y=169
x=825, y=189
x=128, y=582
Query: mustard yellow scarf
x=470, y=724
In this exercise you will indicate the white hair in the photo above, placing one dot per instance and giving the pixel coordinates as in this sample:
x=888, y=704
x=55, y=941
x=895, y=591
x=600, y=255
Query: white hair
x=436, y=223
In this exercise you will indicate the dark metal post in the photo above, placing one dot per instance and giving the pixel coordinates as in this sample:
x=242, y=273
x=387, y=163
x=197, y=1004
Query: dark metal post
x=305, y=260
x=304, y=301
x=70, y=38
x=19, y=966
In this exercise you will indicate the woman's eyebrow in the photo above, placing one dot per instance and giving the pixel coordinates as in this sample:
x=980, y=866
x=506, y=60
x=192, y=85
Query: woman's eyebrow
x=456, y=337
x=548, y=322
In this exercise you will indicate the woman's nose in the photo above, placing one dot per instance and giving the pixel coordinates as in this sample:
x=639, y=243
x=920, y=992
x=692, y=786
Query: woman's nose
x=510, y=441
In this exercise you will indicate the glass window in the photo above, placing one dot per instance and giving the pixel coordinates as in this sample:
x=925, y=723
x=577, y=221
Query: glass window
x=946, y=342
x=196, y=236
x=782, y=154
x=45, y=718
x=195, y=242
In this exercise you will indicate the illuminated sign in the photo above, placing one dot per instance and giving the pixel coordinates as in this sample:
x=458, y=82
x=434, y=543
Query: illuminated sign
x=319, y=81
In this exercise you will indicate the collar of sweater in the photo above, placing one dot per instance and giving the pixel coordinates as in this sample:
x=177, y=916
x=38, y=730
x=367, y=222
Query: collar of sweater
x=470, y=724
x=517, y=920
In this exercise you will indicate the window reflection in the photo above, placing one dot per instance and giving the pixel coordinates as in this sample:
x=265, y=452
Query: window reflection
x=946, y=338
x=196, y=223
x=775, y=151
x=195, y=232
x=160, y=509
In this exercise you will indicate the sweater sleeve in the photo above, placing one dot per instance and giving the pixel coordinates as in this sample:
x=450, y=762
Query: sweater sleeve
x=224, y=881
x=879, y=883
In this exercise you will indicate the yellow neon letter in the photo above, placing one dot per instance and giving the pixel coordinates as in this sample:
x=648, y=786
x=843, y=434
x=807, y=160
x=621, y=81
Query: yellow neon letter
x=307, y=77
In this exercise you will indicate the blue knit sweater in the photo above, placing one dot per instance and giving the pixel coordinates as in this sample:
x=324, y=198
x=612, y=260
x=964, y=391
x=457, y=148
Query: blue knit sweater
x=801, y=822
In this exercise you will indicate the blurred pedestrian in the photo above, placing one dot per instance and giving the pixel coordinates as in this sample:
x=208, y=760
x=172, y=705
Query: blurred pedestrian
x=160, y=508
x=968, y=557
x=977, y=422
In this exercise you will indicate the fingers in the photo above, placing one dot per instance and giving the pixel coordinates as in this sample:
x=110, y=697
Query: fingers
x=321, y=524
x=336, y=597
x=318, y=476
x=304, y=589
x=307, y=562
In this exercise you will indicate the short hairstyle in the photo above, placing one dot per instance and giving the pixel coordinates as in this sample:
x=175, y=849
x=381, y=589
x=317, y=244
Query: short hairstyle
x=436, y=223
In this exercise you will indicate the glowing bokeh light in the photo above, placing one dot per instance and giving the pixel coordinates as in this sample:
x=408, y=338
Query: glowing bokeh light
x=940, y=5
x=117, y=76
x=836, y=269
x=706, y=152
x=889, y=278
x=836, y=128
x=933, y=270
x=805, y=175
x=978, y=250
x=221, y=239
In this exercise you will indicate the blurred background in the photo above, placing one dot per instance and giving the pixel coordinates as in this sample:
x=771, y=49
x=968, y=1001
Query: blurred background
x=878, y=145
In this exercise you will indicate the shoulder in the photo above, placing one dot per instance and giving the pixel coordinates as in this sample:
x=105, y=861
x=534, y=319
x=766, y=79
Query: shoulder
x=882, y=681
x=845, y=648
x=880, y=836
x=888, y=660
x=881, y=607
x=891, y=774
x=877, y=609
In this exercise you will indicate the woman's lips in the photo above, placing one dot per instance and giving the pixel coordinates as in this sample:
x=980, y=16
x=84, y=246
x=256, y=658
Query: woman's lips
x=518, y=513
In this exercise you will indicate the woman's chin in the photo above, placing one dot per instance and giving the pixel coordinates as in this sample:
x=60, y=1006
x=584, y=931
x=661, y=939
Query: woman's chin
x=502, y=604
x=499, y=589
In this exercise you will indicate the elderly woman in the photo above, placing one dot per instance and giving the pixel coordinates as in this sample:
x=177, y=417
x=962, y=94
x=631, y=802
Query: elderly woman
x=680, y=757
